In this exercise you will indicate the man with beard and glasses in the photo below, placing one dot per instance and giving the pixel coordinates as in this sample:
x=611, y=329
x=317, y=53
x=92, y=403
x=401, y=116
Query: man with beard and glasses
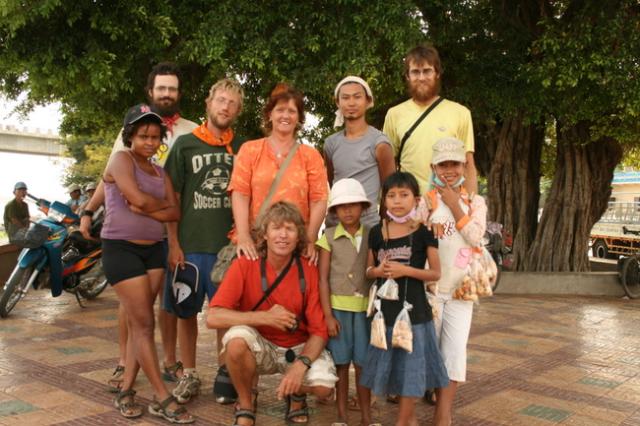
x=423, y=72
x=163, y=92
x=359, y=151
x=200, y=165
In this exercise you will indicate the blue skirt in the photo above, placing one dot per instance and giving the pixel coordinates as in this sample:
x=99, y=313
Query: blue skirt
x=397, y=372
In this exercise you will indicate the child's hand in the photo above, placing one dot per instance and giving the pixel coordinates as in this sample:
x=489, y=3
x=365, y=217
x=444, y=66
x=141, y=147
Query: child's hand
x=438, y=230
x=392, y=269
x=333, y=325
x=449, y=196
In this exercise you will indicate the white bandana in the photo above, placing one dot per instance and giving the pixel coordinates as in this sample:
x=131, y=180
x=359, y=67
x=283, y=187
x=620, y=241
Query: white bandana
x=339, y=121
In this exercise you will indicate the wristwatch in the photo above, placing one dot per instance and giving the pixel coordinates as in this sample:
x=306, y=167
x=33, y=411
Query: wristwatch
x=87, y=213
x=305, y=360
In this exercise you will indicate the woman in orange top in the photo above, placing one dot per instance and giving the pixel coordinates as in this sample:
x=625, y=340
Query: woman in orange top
x=303, y=184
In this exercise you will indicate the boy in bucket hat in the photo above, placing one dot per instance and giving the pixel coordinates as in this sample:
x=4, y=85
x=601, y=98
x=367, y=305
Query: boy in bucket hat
x=344, y=290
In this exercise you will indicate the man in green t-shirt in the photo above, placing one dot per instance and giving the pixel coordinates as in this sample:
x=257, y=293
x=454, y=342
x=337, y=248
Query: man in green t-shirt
x=200, y=165
x=16, y=212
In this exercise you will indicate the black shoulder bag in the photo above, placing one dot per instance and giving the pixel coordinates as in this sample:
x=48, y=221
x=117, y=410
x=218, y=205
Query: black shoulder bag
x=412, y=128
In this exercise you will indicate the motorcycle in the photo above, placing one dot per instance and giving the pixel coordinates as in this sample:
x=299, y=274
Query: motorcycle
x=53, y=256
x=498, y=244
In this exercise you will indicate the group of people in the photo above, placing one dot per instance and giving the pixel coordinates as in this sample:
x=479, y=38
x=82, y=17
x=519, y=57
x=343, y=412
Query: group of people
x=176, y=194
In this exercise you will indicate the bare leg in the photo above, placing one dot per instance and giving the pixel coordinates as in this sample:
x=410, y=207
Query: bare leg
x=444, y=404
x=364, y=398
x=219, y=335
x=407, y=412
x=122, y=334
x=242, y=368
x=169, y=331
x=137, y=295
x=188, y=337
x=342, y=392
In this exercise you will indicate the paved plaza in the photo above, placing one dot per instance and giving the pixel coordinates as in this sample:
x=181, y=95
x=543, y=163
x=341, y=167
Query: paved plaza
x=532, y=361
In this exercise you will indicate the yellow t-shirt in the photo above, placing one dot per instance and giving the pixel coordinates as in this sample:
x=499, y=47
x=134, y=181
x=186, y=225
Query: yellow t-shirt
x=346, y=303
x=447, y=119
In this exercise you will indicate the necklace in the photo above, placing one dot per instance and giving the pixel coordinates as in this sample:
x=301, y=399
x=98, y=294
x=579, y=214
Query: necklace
x=281, y=150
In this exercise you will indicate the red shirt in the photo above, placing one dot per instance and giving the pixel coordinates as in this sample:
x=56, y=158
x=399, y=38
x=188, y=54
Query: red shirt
x=240, y=290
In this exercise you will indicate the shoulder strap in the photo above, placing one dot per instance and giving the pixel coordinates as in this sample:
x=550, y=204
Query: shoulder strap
x=263, y=280
x=276, y=181
x=407, y=135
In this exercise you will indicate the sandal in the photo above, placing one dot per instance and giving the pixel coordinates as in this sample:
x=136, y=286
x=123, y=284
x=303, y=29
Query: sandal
x=116, y=380
x=170, y=373
x=394, y=399
x=161, y=409
x=125, y=403
x=243, y=413
x=303, y=411
x=353, y=404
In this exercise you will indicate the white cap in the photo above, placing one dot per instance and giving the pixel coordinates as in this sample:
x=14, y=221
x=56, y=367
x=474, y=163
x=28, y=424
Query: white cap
x=339, y=121
x=73, y=188
x=90, y=186
x=448, y=149
x=347, y=191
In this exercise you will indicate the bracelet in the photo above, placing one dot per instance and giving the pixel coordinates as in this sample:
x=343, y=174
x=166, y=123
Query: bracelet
x=88, y=213
x=368, y=269
x=305, y=360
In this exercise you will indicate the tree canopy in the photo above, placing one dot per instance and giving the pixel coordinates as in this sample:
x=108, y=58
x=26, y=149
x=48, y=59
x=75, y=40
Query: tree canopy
x=525, y=68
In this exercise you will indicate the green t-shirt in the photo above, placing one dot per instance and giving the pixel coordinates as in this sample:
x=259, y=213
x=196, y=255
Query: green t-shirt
x=201, y=173
x=16, y=210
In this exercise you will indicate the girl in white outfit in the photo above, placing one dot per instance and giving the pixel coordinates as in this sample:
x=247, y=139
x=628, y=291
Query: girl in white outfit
x=459, y=222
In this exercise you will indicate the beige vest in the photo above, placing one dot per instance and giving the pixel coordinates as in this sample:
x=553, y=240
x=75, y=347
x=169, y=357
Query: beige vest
x=348, y=266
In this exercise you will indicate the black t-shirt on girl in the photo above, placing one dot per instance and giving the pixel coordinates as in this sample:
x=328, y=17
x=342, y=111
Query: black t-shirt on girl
x=412, y=250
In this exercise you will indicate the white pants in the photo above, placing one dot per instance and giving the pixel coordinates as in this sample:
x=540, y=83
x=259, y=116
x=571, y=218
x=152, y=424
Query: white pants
x=452, y=331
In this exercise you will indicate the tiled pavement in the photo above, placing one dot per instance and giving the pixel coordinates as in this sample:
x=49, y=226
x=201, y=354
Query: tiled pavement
x=532, y=361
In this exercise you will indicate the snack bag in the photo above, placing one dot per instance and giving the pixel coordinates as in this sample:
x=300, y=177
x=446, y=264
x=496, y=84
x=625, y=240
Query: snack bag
x=389, y=290
x=372, y=297
x=480, y=276
x=402, y=336
x=378, y=329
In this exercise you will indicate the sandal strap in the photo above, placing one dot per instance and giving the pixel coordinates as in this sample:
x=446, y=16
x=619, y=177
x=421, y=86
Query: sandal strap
x=174, y=368
x=302, y=412
x=119, y=369
x=125, y=393
x=298, y=397
x=164, y=404
x=247, y=414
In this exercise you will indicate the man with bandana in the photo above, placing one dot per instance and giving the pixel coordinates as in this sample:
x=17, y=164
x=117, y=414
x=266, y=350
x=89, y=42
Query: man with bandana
x=200, y=165
x=164, y=90
x=423, y=71
x=358, y=151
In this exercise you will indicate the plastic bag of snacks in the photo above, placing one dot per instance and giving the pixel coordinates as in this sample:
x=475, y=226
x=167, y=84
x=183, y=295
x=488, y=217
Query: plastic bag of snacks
x=372, y=297
x=431, y=289
x=389, y=290
x=378, y=329
x=481, y=275
x=402, y=336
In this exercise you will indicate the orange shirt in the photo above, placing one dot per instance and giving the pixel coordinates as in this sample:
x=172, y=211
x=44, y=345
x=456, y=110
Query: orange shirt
x=304, y=181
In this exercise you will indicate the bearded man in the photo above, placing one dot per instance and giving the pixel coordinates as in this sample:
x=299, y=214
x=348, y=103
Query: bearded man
x=412, y=140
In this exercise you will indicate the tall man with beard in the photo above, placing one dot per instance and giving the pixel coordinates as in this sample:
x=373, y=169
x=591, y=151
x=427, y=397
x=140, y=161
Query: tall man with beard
x=200, y=165
x=164, y=90
x=423, y=72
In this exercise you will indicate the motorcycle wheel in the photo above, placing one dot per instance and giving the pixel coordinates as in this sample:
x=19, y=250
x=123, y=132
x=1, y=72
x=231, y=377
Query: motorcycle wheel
x=498, y=259
x=631, y=277
x=13, y=290
x=93, y=283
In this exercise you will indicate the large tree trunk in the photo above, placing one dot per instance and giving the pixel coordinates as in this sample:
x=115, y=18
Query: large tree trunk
x=579, y=193
x=509, y=155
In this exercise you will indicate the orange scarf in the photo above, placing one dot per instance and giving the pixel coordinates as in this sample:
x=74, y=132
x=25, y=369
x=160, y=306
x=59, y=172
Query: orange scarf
x=203, y=133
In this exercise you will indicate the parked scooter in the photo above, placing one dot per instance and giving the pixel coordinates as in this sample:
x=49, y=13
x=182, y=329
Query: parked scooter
x=498, y=244
x=52, y=256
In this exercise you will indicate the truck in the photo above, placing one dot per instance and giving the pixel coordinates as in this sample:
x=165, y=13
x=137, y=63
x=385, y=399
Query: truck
x=617, y=232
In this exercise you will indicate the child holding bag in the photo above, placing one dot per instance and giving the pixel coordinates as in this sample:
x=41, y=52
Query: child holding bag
x=459, y=222
x=344, y=289
x=405, y=360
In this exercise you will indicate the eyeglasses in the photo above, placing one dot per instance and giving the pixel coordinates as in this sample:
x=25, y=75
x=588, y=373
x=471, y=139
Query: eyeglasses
x=417, y=73
x=170, y=89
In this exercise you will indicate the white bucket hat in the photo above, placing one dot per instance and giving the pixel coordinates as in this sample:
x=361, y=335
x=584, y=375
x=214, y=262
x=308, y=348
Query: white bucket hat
x=448, y=149
x=347, y=191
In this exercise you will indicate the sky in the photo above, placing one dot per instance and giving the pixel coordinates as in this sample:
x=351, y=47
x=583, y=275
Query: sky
x=42, y=174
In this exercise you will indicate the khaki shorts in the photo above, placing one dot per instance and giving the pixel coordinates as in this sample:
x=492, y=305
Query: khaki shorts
x=270, y=358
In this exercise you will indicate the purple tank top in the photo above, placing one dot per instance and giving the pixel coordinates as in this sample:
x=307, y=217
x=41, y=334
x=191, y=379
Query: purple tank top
x=120, y=222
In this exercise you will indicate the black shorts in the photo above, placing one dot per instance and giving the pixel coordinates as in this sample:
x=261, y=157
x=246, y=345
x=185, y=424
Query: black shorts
x=122, y=259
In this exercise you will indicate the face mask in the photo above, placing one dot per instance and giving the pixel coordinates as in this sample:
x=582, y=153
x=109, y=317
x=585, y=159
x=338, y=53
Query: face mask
x=438, y=182
x=402, y=219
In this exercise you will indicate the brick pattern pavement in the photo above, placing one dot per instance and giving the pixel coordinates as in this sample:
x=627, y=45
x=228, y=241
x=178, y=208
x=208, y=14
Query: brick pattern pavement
x=531, y=361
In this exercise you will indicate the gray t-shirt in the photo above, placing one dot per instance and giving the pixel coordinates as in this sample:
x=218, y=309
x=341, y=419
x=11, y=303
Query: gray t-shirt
x=356, y=158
